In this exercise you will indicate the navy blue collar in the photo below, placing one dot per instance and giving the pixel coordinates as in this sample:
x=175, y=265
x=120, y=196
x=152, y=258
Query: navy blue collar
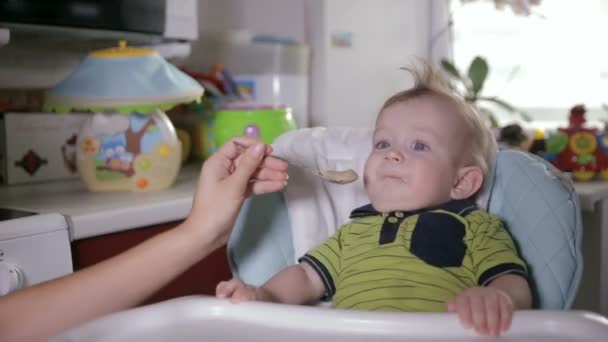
x=461, y=207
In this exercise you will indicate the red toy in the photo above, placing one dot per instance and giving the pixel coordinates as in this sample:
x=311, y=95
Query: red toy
x=578, y=149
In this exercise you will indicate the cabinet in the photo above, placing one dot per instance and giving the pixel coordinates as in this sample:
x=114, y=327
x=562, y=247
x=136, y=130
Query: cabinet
x=199, y=279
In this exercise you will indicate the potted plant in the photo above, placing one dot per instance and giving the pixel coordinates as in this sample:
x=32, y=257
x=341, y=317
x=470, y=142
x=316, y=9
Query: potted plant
x=470, y=86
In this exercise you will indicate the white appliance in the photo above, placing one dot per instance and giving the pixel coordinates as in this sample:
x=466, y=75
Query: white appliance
x=272, y=74
x=165, y=19
x=33, y=248
x=358, y=49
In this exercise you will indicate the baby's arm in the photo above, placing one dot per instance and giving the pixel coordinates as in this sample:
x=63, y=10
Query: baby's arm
x=489, y=309
x=501, y=276
x=298, y=284
x=517, y=288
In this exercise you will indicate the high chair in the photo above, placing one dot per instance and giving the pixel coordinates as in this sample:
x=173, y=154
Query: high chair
x=538, y=206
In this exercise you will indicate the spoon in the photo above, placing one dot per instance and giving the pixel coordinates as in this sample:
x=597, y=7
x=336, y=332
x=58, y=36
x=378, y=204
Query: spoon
x=333, y=176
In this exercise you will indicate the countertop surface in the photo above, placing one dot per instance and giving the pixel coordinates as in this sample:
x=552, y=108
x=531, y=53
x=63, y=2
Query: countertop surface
x=91, y=213
x=24, y=226
x=590, y=193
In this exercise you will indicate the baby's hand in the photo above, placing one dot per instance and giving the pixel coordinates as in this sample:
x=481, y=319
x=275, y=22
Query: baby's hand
x=236, y=291
x=486, y=309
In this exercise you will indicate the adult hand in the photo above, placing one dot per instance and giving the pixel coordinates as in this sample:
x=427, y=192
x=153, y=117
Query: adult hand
x=126, y=279
x=227, y=178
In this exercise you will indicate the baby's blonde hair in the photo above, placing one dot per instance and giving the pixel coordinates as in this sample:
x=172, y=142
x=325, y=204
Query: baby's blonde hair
x=428, y=82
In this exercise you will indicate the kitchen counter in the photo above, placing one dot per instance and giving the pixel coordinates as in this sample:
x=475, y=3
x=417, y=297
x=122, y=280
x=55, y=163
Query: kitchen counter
x=91, y=213
x=591, y=193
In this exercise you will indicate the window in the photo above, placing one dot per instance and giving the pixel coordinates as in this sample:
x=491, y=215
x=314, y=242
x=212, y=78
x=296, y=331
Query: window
x=544, y=63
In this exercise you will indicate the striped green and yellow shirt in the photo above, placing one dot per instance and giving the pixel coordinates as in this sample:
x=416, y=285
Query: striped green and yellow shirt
x=413, y=261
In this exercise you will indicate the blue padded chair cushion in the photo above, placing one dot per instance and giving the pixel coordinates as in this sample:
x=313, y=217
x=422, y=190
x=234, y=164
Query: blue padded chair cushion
x=541, y=210
x=261, y=242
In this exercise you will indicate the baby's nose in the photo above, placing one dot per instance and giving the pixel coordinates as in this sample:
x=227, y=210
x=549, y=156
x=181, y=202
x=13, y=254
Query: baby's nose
x=394, y=157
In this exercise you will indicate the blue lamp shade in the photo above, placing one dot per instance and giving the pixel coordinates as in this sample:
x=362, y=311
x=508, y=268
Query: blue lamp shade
x=125, y=80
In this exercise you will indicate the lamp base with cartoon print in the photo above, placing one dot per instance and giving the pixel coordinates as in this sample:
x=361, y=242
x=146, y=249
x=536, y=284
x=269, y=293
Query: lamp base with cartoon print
x=118, y=152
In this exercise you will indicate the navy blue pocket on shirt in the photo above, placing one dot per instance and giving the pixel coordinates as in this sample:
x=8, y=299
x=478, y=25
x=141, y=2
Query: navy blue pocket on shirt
x=438, y=239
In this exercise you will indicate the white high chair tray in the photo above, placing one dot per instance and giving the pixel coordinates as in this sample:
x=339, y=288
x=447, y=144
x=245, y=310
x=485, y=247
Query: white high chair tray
x=204, y=319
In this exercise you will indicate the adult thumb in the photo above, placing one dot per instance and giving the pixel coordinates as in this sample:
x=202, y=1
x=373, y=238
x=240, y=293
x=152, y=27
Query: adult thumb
x=248, y=165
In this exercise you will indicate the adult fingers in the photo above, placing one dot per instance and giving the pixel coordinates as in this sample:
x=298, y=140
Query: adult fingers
x=237, y=145
x=273, y=163
x=263, y=174
x=264, y=187
x=247, y=166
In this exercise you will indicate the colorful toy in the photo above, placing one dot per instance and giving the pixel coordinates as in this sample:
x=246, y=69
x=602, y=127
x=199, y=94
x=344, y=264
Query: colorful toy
x=258, y=122
x=225, y=112
x=513, y=137
x=128, y=143
x=579, y=149
x=539, y=143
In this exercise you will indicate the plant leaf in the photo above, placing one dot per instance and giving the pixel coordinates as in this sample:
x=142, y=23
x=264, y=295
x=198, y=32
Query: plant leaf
x=478, y=71
x=504, y=104
x=450, y=69
x=524, y=115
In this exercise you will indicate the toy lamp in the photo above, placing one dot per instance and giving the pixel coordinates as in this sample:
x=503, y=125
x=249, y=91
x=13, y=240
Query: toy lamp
x=128, y=143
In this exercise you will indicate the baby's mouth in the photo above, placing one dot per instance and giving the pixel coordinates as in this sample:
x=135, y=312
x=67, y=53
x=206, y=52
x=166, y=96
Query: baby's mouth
x=394, y=178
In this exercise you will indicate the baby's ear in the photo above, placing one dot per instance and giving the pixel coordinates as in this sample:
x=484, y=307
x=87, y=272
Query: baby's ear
x=467, y=183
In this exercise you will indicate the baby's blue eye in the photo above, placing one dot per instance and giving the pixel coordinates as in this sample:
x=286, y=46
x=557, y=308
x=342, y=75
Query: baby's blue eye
x=420, y=146
x=381, y=145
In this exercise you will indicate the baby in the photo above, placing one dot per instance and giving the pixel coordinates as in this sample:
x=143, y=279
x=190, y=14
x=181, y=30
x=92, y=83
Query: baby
x=422, y=244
